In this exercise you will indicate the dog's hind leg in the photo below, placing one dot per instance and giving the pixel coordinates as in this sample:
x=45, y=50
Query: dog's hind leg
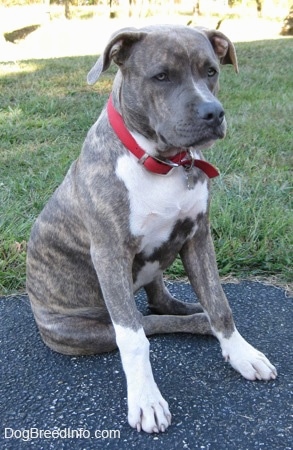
x=83, y=334
x=162, y=324
x=162, y=302
x=82, y=331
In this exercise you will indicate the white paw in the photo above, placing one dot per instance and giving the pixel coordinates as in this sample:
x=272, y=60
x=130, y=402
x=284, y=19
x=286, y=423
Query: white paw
x=252, y=364
x=147, y=410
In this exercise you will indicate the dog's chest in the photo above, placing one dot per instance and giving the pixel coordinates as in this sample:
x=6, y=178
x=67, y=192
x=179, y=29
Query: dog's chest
x=159, y=204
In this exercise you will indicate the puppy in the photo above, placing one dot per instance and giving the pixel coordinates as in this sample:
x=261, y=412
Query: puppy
x=137, y=196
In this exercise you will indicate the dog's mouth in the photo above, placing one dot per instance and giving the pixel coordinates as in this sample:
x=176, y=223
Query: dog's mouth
x=171, y=147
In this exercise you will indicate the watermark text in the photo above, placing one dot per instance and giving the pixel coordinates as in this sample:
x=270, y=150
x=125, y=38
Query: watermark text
x=59, y=433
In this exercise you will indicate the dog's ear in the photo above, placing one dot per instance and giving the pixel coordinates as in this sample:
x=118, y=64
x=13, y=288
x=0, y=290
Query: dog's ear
x=223, y=47
x=118, y=49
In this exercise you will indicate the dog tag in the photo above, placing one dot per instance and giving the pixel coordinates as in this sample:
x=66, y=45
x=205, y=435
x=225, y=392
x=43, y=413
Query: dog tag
x=190, y=178
x=189, y=172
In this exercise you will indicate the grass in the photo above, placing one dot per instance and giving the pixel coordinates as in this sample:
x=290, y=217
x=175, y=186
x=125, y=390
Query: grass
x=46, y=109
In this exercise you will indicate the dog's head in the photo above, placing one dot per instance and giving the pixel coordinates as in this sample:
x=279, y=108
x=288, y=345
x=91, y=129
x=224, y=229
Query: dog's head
x=167, y=82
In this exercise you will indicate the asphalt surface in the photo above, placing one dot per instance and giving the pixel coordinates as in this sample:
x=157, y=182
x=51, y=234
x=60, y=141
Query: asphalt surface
x=81, y=399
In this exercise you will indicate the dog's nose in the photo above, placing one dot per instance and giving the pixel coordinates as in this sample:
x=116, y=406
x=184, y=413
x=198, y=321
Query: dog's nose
x=212, y=112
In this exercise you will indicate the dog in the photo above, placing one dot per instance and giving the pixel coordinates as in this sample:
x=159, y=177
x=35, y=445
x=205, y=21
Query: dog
x=137, y=196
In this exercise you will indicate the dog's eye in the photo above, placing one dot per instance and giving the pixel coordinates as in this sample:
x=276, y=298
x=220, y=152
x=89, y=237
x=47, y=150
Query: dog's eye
x=211, y=72
x=162, y=77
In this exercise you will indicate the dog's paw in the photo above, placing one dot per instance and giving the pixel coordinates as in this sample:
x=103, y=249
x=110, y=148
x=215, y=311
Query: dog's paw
x=252, y=364
x=147, y=410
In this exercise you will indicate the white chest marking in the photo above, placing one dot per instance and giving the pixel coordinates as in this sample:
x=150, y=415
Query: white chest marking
x=146, y=274
x=157, y=202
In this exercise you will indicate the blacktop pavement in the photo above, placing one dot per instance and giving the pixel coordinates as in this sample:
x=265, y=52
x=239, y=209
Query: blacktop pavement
x=52, y=401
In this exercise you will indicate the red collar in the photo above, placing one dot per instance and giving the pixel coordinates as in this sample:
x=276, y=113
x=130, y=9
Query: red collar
x=151, y=163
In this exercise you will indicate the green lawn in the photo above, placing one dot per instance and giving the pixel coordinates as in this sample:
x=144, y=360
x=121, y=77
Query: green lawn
x=46, y=109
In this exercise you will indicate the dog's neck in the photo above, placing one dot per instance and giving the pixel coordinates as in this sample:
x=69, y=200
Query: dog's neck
x=155, y=164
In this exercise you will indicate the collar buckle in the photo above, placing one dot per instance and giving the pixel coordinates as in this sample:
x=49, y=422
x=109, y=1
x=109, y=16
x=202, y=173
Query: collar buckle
x=168, y=162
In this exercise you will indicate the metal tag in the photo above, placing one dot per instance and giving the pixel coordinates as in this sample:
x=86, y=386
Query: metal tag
x=189, y=172
x=190, y=178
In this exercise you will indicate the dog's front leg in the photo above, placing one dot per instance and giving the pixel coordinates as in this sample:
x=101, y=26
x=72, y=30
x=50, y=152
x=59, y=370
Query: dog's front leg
x=147, y=409
x=198, y=257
